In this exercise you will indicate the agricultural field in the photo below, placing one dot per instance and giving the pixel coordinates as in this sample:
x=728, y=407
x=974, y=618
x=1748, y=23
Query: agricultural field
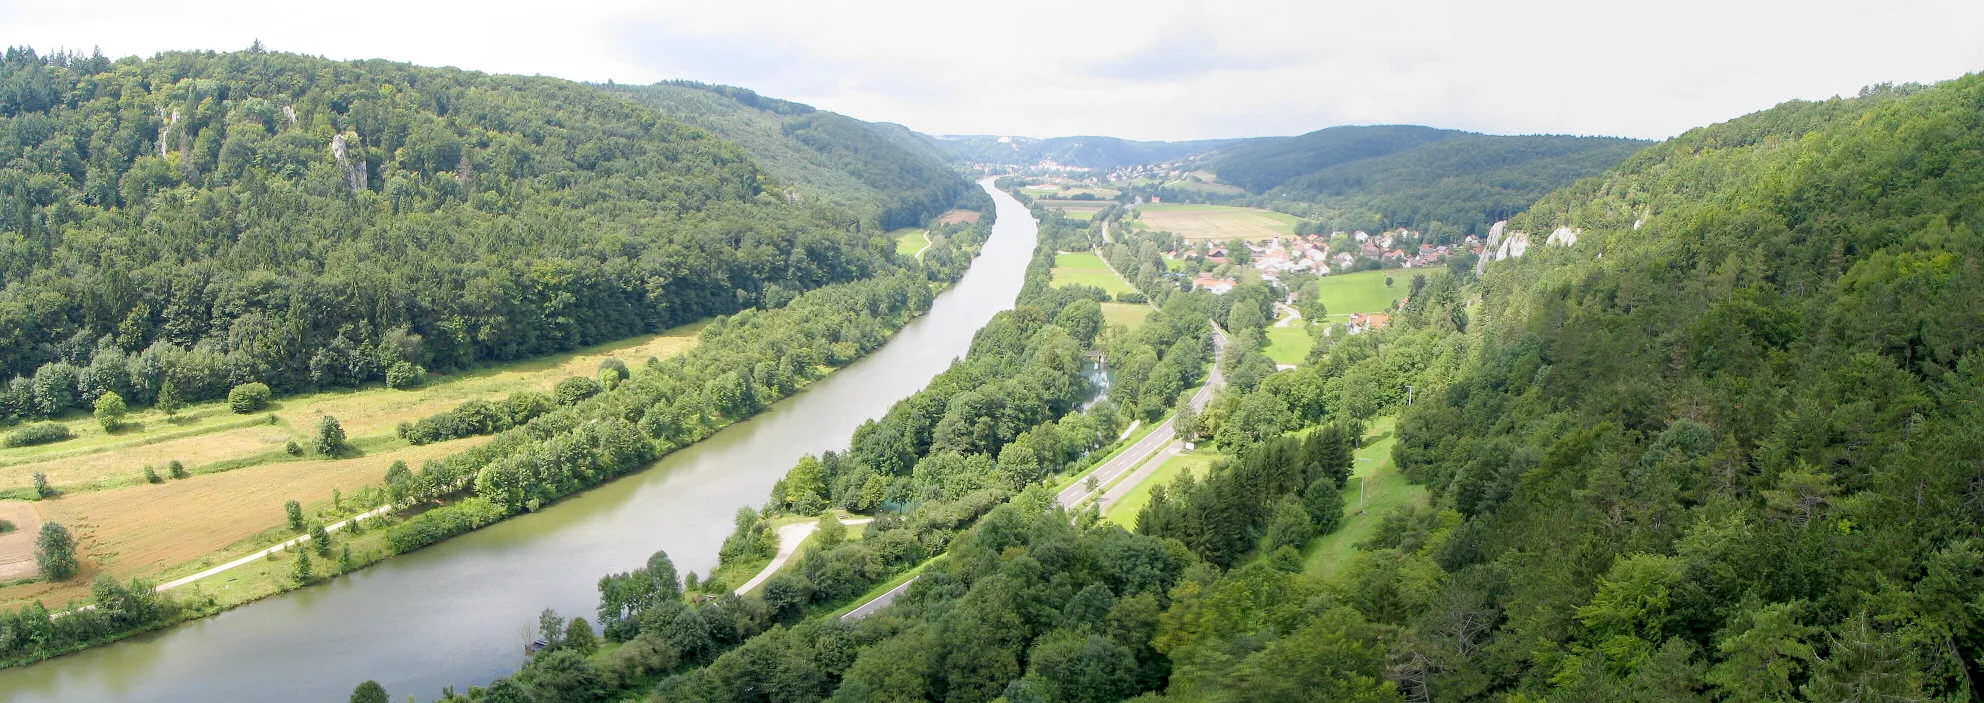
x=1087, y=269
x=1125, y=511
x=17, y=544
x=240, y=470
x=1363, y=291
x=1075, y=209
x=1219, y=222
x=911, y=241
x=1205, y=182
x=956, y=216
x=1383, y=489
x=1129, y=315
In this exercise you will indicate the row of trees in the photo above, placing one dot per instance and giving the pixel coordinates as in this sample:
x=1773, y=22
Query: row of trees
x=177, y=226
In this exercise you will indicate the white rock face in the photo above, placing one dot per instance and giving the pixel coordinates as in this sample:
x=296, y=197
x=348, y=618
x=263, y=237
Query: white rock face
x=1514, y=246
x=1495, y=233
x=1564, y=236
x=1636, y=224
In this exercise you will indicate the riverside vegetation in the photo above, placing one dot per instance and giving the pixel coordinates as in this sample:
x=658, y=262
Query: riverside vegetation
x=396, y=185
x=1730, y=459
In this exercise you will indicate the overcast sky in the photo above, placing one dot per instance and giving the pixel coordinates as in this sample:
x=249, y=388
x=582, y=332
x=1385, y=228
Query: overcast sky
x=1143, y=69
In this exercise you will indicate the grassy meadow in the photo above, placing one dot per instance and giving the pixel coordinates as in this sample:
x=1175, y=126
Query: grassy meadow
x=1087, y=269
x=911, y=241
x=1363, y=291
x=1384, y=490
x=1125, y=511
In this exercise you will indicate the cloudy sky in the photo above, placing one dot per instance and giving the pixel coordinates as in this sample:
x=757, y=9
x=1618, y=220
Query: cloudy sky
x=1145, y=69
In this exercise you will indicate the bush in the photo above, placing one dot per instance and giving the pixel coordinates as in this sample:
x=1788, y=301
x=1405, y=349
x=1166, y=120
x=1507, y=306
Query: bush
x=249, y=397
x=405, y=374
x=110, y=410
x=293, y=448
x=575, y=389
x=38, y=433
x=151, y=475
x=6, y=527
x=1132, y=298
x=177, y=469
x=41, y=487
x=55, y=552
x=441, y=523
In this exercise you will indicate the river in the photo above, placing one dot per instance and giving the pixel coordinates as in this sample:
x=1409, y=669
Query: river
x=459, y=613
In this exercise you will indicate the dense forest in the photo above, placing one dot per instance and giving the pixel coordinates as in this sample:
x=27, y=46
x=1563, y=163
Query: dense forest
x=195, y=221
x=817, y=153
x=1447, y=182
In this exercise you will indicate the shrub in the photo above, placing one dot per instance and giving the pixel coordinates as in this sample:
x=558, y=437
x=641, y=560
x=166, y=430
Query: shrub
x=6, y=527
x=110, y=410
x=575, y=389
x=151, y=475
x=618, y=367
x=55, y=552
x=38, y=433
x=293, y=448
x=177, y=469
x=41, y=487
x=1132, y=298
x=405, y=374
x=249, y=397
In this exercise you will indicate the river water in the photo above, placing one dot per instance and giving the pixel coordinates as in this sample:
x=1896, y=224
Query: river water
x=459, y=613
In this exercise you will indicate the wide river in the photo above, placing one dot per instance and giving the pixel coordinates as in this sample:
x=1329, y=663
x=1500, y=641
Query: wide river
x=459, y=613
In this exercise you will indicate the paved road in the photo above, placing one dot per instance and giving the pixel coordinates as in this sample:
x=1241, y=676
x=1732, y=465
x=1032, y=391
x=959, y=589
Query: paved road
x=789, y=538
x=1159, y=437
x=1291, y=315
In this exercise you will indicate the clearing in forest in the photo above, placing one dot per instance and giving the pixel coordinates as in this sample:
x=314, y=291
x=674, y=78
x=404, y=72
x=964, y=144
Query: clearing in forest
x=911, y=241
x=1384, y=490
x=1218, y=222
x=1363, y=291
x=1129, y=315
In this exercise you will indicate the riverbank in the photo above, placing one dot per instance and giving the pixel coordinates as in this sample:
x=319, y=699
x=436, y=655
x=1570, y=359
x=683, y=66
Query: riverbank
x=419, y=636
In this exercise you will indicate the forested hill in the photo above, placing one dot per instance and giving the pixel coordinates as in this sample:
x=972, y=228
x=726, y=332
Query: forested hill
x=1419, y=177
x=1725, y=446
x=196, y=220
x=1083, y=152
x=825, y=155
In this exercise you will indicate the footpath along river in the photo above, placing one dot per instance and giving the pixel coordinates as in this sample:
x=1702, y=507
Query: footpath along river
x=459, y=613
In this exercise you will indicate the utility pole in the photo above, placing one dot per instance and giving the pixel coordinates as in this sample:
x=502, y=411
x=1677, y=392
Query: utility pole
x=1408, y=395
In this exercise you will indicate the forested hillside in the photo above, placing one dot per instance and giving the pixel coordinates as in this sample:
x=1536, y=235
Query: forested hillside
x=1465, y=183
x=192, y=221
x=1444, y=181
x=1736, y=457
x=1083, y=152
x=820, y=154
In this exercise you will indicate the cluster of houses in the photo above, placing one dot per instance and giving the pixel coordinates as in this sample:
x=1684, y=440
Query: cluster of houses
x=1324, y=254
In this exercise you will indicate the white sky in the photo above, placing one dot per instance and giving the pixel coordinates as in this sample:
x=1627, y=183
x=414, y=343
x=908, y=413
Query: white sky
x=1142, y=69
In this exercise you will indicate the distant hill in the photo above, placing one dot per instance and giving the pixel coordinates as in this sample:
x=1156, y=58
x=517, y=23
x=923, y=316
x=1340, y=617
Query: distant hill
x=1404, y=175
x=879, y=169
x=1085, y=152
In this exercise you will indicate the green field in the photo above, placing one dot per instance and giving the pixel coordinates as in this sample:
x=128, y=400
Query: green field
x=1289, y=345
x=1087, y=269
x=1218, y=222
x=1384, y=490
x=1125, y=511
x=911, y=241
x=1129, y=315
x=1363, y=291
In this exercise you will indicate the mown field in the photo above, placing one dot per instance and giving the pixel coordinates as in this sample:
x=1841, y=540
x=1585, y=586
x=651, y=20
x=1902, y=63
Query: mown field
x=1383, y=489
x=1075, y=209
x=1086, y=268
x=1125, y=511
x=911, y=241
x=232, y=504
x=1129, y=315
x=1219, y=222
x=1289, y=345
x=1363, y=291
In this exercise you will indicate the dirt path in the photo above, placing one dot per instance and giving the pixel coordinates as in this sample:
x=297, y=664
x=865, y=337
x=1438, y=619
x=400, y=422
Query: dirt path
x=175, y=583
x=789, y=538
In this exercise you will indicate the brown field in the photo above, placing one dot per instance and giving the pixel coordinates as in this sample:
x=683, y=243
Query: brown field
x=17, y=547
x=146, y=529
x=1217, y=221
x=955, y=216
x=130, y=463
x=1074, y=206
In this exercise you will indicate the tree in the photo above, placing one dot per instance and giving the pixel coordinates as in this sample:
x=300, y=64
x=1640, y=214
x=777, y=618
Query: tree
x=1186, y=422
x=831, y=533
x=330, y=436
x=41, y=486
x=300, y=573
x=1324, y=504
x=110, y=411
x=550, y=628
x=1290, y=526
x=168, y=401
x=369, y=692
x=405, y=374
x=579, y=637
x=294, y=510
x=249, y=397
x=55, y=552
x=320, y=539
